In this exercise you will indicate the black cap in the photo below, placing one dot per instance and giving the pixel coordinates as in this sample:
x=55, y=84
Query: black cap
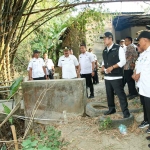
x=107, y=34
x=144, y=34
x=36, y=51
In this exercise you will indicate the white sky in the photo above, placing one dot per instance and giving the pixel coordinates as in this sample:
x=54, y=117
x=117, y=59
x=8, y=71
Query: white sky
x=128, y=6
x=120, y=7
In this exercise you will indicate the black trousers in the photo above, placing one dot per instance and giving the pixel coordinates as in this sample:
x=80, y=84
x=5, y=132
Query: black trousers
x=88, y=78
x=51, y=74
x=130, y=82
x=40, y=78
x=144, y=107
x=95, y=77
x=147, y=107
x=117, y=86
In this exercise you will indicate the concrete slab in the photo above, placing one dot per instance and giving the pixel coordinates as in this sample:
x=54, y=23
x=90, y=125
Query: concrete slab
x=49, y=98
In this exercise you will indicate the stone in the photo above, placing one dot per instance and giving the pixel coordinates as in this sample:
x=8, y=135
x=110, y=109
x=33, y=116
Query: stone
x=49, y=98
x=139, y=117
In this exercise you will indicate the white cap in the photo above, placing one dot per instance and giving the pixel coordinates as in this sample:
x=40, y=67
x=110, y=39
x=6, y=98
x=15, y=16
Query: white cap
x=122, y=40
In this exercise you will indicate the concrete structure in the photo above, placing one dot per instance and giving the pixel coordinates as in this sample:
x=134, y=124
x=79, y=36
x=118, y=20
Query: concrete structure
x=49, y=98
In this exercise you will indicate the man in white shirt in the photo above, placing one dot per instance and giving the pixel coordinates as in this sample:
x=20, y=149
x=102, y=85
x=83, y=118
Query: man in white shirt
x=69, y=65
x=113, y=61
x=95, y=77
x=144, y=77
x=122, y=44
x=49, y=66
x=36, y=66
x=86, y=68
x=136, y=76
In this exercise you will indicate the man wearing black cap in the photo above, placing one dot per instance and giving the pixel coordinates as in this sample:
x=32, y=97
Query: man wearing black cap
x=113, y=61
x=37, y=70
x=144, y=77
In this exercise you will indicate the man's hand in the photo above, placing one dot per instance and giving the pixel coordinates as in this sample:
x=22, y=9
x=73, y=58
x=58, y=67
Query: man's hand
x=93, y=74
x=137, y=76
x=132, y=65
x=30, y=79
x=133, y=76
x=109, y=69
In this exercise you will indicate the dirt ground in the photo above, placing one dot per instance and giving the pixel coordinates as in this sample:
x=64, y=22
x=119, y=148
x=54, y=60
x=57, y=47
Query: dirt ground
x=83, y=133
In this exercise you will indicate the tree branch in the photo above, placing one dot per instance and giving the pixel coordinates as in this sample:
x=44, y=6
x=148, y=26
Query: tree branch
x=82, y=3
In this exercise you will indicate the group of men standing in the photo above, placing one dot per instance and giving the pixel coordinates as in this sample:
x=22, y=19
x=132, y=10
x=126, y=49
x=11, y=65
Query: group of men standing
x=120, y=66
x=83, y=67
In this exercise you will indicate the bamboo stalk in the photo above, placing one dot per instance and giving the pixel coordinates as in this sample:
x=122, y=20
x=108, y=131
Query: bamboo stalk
x=14, y=136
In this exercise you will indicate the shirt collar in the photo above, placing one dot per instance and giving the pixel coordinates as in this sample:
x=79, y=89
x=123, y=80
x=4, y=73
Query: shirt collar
x=66, y=57
x=108, y=48
x=148, y=49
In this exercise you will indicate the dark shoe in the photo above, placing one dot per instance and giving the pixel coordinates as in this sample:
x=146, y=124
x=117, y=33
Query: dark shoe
x=143, y=124
x=148, y=130
x=110, y=112
x=128, y=95
x=133, y=96
x=148, y=137
x=126, y=116
x=149, y=145
x=91, y=96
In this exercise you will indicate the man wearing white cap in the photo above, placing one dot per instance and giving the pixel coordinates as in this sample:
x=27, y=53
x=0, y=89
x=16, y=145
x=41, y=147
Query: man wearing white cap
x=69, y=65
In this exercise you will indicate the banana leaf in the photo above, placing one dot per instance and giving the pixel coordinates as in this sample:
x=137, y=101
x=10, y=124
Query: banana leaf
x=14, y=87
x=7, y=110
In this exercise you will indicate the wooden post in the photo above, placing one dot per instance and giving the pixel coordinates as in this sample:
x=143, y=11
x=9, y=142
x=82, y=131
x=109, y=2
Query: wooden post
x=14, y=136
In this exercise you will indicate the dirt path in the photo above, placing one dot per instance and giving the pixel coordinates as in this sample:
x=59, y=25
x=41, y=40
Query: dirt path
x=83, y=133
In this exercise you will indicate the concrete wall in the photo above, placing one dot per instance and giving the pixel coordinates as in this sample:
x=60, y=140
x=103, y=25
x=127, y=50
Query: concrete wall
x=52, y=97
x=128, y=32
x=136, y=29
x=93, y=37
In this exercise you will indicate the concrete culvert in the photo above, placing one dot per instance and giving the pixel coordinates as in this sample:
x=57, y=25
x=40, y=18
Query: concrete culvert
x=95, y=109
x=117, y=122
x=135, y=106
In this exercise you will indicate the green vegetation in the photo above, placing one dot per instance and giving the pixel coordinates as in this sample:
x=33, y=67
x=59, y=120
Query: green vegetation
x=105, y=124
x=46, y=140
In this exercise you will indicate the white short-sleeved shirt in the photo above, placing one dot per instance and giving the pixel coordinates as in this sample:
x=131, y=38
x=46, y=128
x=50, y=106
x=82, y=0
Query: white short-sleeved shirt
x=37, y=67
x=49, y=64
x=68, y=65
x=85, y=61
x=144, y=86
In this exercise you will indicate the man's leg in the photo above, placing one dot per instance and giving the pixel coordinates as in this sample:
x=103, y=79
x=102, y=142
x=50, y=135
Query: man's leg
x=144, y=107
x=145, y=121
x=118, y=87
x=96, y=76
x=130, y=82
x=110, y=95
x=90, y=85
x=147, y=106
x=84, y=76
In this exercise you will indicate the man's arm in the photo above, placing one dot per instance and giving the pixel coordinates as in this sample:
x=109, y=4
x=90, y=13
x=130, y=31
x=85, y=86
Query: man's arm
x=78, y=71
x=30, y=73
x=44, y=69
